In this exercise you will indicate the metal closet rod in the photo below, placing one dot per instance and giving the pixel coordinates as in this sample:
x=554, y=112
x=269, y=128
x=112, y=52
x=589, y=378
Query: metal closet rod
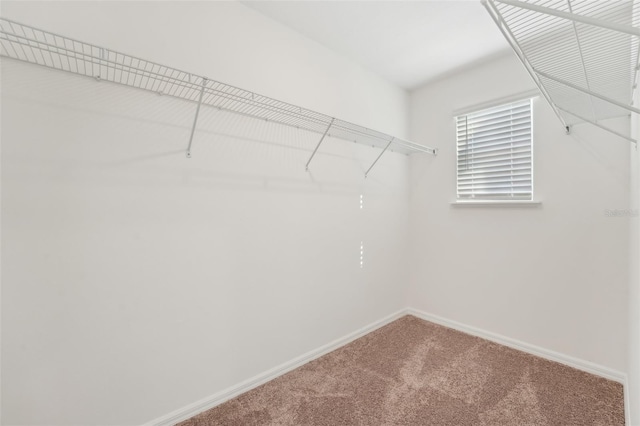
x=36, y=46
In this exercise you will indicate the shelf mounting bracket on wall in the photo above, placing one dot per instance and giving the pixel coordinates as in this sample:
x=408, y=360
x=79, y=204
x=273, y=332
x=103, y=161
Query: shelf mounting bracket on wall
x=374, y=163
x=195, y=119
x=318, y=146
x=506, y=32
x=588, y=92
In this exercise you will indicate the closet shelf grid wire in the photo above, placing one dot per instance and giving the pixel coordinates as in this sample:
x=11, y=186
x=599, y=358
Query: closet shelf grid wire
x=29, y=44
x=582, y=54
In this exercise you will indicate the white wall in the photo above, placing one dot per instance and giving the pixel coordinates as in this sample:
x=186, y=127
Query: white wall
x=633, y=368
x=135, y=281
x=554, y=275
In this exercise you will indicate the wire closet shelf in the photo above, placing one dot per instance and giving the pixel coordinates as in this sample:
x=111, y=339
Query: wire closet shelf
x=582, y=54
x=36, y=46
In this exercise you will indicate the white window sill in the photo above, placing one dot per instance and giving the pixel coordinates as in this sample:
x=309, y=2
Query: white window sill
x=496, y=203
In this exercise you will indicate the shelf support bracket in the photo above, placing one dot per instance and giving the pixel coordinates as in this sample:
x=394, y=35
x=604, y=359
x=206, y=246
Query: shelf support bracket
x=588, y=92
x=508, y=35
x=195, y=119
x=318, y=146
x=597, y=125
x=383, y=151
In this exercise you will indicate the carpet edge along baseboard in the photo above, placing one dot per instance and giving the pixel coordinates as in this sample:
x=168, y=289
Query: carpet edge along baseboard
x=220, y=397
x=227, y=394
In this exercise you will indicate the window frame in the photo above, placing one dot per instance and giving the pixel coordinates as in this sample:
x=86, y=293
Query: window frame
x=495, y=199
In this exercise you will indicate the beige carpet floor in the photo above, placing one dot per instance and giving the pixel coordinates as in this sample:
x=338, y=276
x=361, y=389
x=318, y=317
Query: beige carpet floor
x=412, y=372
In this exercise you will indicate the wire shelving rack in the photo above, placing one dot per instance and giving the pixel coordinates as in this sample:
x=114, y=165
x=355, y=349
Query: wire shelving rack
x=36, y=46
x=583, y=54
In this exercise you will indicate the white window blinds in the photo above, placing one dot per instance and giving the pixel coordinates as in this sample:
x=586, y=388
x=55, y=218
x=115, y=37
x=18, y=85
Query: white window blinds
x=494, y=155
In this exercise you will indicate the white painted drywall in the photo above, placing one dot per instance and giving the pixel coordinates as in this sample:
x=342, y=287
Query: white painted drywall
x=555, y=275
x=135, y=281
x=633, y=369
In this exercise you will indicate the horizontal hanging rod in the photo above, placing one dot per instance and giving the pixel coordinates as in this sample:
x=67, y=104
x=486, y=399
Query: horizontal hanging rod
x=574, y=17
x=32, y=45
x=414, y=146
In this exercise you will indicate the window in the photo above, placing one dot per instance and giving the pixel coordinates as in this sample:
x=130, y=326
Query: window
x=494, y=155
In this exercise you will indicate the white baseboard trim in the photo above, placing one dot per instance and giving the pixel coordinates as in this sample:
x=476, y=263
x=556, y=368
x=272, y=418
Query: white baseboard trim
x=627, y=401
x=211, y=401
x=570, y=361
